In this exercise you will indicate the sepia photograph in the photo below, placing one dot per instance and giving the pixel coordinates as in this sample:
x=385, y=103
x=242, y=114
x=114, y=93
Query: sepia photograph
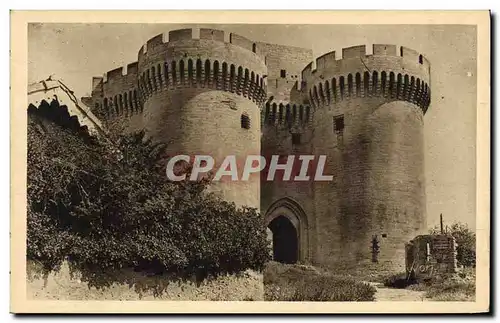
x=323, y=161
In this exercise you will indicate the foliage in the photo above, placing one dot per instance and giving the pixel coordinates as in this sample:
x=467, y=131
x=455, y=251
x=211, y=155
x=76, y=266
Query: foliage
x=450, y=290
x=102, y=211
x=466, y=243
x=460, y=286
x=301, y=283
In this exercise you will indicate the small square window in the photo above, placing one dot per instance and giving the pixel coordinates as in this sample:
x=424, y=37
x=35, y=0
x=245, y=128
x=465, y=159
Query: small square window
x=245, y=121
x=338, y=124
x=296, y=138
x=283, y=73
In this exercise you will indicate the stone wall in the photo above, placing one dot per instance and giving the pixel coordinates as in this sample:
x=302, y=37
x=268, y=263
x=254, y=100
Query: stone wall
x=430, y=255
x=284, y=65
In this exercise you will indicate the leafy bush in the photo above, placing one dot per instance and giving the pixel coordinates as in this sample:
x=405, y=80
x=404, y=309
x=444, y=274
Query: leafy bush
x=301, y=283
x=102, y=210
x=466, y=243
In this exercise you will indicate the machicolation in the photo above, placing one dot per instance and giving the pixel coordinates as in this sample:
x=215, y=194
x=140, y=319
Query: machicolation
x=384, y=73
x=206, y=62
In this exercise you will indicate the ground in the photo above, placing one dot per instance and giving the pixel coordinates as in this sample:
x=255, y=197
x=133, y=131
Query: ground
x=384, y=294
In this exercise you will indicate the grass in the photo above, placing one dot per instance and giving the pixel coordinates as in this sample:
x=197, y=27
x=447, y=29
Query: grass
x=453, y=287
x=306, y=283
x=452, y=291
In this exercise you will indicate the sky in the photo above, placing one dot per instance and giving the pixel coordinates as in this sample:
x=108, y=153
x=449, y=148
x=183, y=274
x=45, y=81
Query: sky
x=75, y=53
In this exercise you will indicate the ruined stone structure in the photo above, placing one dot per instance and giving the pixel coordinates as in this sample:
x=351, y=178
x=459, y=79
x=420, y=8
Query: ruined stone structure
x=209, y=92
x=431, y=255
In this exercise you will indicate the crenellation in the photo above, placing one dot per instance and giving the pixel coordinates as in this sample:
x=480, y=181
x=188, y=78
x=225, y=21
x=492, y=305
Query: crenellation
x=325, y=61
x=357, y=78
x=354, y=52
x=180, y=34
x=242, y=42
x=154, y=42
x=97, y=84
x=115, y=73
x=212, y=34
x=414, y=55
x=384, y=50
x=307, y=72
x=132, y=68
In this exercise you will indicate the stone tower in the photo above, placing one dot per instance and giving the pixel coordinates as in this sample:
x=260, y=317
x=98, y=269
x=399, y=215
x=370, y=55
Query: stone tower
x=368, y=120
x=200, y=94
x=203, y=96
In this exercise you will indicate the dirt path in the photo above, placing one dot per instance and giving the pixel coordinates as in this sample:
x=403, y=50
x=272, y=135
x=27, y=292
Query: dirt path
x=386, y=294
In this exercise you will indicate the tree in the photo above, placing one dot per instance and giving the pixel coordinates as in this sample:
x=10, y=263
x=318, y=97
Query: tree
x=104, y=209
x=466, y=243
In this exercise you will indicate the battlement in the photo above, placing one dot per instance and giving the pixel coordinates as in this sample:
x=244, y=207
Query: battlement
x=243, y=42
x=384, y=50
x=330, y=61
x=132, y=68
x=400, y=75
x=212, y=34
x=180, y=34
x=207, y=61
x=118, y=73
x=97, y=84
x=116, y=92
x=154, y=42
x=188, y=34
x=286, y=114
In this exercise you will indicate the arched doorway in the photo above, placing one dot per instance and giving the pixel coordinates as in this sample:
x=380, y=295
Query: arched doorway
x=287, y=224
x=284, y=240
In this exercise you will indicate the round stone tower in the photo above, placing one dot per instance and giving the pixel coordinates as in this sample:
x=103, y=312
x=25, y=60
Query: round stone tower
x=368, y=120
x=202, y=96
